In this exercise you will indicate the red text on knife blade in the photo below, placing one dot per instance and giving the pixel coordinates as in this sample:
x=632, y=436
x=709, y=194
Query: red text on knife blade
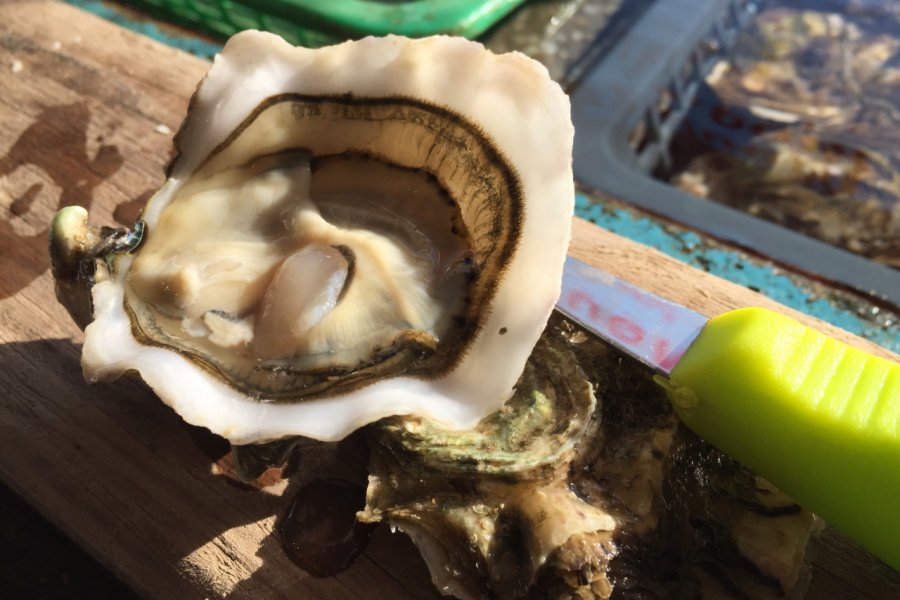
x=623, y=328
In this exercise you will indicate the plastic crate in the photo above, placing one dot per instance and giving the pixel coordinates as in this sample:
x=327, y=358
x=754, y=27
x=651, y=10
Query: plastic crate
x=316, y=23
x=628, y=106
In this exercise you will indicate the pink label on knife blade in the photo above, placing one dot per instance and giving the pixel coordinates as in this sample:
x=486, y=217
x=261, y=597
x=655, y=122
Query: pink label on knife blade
x=653, y=330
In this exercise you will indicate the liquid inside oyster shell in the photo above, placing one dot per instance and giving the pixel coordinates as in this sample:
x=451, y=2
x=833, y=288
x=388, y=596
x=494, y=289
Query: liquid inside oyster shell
x=292, y=264
x=355, y=246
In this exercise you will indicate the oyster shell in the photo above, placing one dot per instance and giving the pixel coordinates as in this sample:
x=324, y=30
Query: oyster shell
x=633, y=505
x=370, y=229
x=834, y=184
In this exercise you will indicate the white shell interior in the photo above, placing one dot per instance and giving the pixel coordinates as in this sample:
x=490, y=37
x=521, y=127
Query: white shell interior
x=516, y=105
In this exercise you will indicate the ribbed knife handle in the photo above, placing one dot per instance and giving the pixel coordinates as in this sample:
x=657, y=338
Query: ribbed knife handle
x=816, y=417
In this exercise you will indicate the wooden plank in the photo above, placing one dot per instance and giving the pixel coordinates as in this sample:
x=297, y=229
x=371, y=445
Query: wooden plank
x=707, y=294
x=87, y=113
x=86, y=116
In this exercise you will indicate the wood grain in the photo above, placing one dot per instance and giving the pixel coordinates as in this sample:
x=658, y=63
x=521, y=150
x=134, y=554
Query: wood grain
x=86, y=116
x=707, y=294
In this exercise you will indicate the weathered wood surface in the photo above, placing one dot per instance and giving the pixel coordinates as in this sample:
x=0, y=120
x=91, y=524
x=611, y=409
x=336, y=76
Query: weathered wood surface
x=86, y=115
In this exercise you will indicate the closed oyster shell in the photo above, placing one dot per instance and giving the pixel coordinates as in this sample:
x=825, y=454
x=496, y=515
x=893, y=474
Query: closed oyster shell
x=633, y=505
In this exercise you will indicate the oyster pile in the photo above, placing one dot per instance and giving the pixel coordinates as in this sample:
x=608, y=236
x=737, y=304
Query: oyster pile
x=799, y=127
x=834, y=184
x=831, y=62
x=373, y=234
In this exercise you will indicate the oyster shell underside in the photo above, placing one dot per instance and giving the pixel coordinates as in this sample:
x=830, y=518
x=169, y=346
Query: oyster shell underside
x=630, y=504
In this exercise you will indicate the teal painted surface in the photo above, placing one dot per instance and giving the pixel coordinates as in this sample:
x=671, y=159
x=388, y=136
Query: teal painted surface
x=189, y=44
x=691, y=248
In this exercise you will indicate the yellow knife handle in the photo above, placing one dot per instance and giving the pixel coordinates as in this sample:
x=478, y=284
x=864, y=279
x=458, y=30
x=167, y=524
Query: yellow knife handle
x=816, y=417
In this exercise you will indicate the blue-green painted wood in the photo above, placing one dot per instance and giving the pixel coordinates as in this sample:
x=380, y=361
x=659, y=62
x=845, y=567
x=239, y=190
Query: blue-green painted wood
x=845, y=311
x=190, y=44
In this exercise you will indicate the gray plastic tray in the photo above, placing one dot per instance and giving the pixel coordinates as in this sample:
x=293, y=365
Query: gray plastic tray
x=667, y=53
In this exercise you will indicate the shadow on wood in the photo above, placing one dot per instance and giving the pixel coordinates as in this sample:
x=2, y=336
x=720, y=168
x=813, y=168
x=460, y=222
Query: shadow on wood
x=140, y=486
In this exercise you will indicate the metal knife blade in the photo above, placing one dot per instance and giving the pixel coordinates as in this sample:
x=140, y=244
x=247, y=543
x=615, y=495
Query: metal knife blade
x=651, y=329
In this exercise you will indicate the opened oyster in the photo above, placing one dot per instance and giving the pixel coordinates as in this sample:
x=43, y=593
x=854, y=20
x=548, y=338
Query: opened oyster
x=375, y=232
x=371, y=229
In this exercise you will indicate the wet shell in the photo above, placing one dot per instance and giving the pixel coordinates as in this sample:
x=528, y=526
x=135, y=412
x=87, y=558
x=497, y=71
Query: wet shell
x=397, y=212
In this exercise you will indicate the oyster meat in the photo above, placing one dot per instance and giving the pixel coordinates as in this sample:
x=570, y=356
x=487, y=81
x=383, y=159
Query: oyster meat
x=370, y=229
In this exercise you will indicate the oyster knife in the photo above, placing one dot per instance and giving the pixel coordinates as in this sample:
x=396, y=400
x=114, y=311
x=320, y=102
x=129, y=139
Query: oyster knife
x=816, y=417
